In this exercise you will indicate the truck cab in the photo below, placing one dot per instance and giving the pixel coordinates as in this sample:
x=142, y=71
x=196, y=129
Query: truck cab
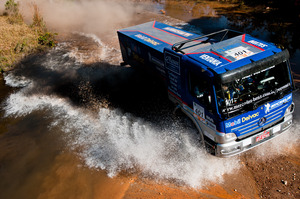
x=236, y=88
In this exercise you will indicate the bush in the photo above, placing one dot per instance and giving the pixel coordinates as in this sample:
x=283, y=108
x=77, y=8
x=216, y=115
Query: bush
x=12, y=10
x=11, y=7
x=47, y=39
x=37, y=20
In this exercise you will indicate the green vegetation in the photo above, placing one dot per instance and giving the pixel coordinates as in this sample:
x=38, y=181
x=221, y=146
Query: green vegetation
x=17, y=39
x=47, y=39
x=12, y=10
x=12, y=7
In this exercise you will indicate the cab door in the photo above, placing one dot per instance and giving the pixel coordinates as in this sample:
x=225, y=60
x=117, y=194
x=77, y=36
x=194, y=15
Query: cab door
x=201, y=98
x=200, y=91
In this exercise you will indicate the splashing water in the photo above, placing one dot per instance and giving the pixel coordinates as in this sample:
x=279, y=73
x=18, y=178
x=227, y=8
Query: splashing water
x=16, y=81
x=116, y=141
x=99, y=51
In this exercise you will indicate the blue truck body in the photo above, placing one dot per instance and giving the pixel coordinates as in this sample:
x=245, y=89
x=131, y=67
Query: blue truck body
x=236, y=88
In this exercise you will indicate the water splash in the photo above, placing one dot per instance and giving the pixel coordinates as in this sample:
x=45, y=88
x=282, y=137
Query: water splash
x=103, y=53
x=16, y=81
x=115, y=141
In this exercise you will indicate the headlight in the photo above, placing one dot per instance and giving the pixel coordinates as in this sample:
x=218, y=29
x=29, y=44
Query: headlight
x=230, y=136
x=223, y=138
x=290, y=109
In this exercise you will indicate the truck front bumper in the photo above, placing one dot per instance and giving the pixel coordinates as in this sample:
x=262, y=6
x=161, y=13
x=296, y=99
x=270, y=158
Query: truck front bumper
x=236, y=147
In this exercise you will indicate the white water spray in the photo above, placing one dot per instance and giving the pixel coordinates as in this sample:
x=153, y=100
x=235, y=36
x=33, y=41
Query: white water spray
x=115, y=141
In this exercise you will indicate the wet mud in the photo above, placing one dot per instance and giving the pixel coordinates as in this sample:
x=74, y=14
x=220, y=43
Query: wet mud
x=76, y=124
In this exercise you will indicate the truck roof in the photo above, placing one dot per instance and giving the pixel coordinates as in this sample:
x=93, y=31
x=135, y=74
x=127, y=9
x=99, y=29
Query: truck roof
x=220, y=56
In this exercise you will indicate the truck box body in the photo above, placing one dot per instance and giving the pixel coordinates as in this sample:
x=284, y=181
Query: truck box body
x=236, y=89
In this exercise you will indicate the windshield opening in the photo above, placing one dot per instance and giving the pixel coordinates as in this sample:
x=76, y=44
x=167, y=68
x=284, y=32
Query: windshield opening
x=251, y=91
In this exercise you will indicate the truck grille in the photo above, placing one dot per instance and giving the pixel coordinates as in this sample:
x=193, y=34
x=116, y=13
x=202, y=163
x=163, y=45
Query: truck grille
x=253, y=127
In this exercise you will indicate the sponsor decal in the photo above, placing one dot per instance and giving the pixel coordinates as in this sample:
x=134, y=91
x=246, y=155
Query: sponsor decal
x=256, y=43
x=174, y=83
x=147, y=39
x=234, y=123
x=199, y=111
x=258, y=72
x=172, y=63
x=267, y=108
x=261, y=71
x=210, y=59
x=270, y=106
x=211, y=125
x=210, y=122
x=209, y=119
x=250, y=117
x=170, y=60
x=263, y=136
x=180, y=32
x=259, y=97
x=239, y=52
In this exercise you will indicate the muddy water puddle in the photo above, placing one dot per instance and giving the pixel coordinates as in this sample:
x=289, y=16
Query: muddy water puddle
x=74, y=124
x=34, y=164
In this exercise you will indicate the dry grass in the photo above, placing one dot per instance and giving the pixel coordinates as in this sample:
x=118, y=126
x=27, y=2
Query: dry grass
x=37, y=20
x=16, y=41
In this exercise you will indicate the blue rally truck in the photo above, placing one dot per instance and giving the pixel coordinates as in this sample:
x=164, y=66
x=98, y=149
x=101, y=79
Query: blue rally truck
x=236, y=88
